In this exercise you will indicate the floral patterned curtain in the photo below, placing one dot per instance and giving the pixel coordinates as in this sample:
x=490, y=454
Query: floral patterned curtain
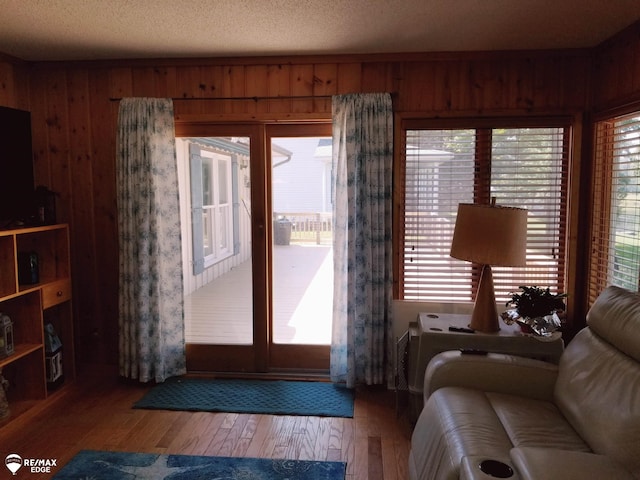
x=151, y=319
x=362, y=343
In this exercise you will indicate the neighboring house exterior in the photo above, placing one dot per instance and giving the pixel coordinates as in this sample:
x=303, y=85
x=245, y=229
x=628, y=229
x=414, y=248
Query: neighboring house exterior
x=215, y=207
x=302, y=184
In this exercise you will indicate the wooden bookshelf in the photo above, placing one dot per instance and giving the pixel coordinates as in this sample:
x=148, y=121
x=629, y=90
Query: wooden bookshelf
x=32, y=305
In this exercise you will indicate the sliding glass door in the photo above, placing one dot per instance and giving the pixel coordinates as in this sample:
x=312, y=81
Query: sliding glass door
x=256, y=235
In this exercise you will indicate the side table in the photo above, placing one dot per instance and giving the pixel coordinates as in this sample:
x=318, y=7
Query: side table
x=430, y=335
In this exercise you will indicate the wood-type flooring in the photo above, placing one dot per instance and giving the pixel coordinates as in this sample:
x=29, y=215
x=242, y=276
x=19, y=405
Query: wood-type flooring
x=95, y=413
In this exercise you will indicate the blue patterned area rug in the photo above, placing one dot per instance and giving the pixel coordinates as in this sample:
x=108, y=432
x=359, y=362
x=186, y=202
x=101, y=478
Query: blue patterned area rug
x=250, y=396
x=89, y=464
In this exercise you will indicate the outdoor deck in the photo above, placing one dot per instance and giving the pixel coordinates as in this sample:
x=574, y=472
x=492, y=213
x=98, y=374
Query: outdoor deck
x=221, y=312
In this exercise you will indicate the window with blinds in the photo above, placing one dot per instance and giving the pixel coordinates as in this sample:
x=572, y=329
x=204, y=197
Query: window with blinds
x=616, y=213
x=521, y=167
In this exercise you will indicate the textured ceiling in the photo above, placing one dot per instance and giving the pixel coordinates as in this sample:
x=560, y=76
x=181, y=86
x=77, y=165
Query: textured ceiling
x=117, y=29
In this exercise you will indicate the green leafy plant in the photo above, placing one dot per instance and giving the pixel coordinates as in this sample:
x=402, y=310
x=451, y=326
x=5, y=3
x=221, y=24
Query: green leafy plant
x=536, y=302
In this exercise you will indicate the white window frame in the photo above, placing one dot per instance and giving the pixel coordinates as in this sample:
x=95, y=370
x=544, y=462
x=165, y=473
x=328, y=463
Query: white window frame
x=217, y=213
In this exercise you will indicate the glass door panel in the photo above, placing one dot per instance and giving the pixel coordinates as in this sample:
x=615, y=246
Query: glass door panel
x=215, y=188
x=302, y=255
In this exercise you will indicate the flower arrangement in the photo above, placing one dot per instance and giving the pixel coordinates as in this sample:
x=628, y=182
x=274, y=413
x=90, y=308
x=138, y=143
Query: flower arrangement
x=536, y=302
x=536, y=310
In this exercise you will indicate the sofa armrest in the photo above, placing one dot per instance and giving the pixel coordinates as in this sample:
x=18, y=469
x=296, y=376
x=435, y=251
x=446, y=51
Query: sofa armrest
x=533, y=463
x=492, y=372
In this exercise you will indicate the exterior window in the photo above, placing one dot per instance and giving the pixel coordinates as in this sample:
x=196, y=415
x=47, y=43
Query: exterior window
x=214, y=200
x=216, y=206
x=616, y=212
x=521, y=167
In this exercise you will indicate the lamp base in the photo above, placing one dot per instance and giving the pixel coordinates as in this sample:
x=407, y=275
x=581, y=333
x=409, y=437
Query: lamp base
x=485, y=314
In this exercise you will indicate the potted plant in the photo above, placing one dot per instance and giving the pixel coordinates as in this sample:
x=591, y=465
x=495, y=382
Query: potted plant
x=536, y=309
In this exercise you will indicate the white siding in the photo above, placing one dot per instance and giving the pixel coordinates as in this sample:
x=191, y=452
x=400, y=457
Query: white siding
x=193, y=282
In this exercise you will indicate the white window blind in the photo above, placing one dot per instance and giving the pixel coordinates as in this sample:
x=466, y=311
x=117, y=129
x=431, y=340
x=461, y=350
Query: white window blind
x=440, y=168
x=616, y=212
x=521, y=167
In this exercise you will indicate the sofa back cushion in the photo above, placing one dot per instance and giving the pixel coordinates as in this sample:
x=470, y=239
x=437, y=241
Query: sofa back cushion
x=598, y=387
x=615, y=317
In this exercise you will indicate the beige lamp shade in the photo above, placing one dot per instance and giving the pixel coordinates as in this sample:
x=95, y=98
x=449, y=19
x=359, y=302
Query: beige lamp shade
x=490, y=235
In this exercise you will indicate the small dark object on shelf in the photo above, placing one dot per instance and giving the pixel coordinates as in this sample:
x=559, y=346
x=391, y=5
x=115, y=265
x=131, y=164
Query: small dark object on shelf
x=461, y=329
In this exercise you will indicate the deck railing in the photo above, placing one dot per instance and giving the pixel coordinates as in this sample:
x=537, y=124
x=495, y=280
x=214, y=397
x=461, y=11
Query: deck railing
x=304, y=227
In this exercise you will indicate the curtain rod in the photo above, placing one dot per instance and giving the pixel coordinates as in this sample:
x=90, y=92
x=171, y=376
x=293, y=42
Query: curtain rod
x=254, y=98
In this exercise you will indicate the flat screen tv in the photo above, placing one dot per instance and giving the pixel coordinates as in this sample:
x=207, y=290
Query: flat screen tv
x=16, y=168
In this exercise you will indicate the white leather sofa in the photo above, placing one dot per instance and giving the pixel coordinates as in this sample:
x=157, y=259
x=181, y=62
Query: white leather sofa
x=577, y=420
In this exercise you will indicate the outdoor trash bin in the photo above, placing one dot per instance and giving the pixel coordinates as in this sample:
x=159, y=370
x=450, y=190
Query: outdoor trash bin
x=282, y=232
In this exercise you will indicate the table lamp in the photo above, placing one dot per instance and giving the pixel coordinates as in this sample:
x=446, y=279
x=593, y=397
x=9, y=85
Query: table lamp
x=489, y=235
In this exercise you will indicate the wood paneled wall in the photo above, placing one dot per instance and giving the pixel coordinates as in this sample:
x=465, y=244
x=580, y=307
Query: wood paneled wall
x=615, y=77
x=14, y=83
x=74, y=124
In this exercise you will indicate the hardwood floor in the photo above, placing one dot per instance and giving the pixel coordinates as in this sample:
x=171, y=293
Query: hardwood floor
x=95, y=413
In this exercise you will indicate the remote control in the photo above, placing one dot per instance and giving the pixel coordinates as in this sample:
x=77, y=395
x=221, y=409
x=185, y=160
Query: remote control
x=461, y=329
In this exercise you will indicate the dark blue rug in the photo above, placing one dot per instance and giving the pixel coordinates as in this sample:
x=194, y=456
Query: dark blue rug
x=250, y=396
x=129, y=466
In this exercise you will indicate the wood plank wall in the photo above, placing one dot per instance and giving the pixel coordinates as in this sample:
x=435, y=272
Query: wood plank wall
x=14, y=82
x=74, y=123
x=615, y=75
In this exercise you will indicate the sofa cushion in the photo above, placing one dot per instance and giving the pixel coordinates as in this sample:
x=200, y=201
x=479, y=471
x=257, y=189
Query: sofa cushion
x=598, y=392
x=459, y=422
x=534, y=463
x=615, y=317
x=535, y=423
